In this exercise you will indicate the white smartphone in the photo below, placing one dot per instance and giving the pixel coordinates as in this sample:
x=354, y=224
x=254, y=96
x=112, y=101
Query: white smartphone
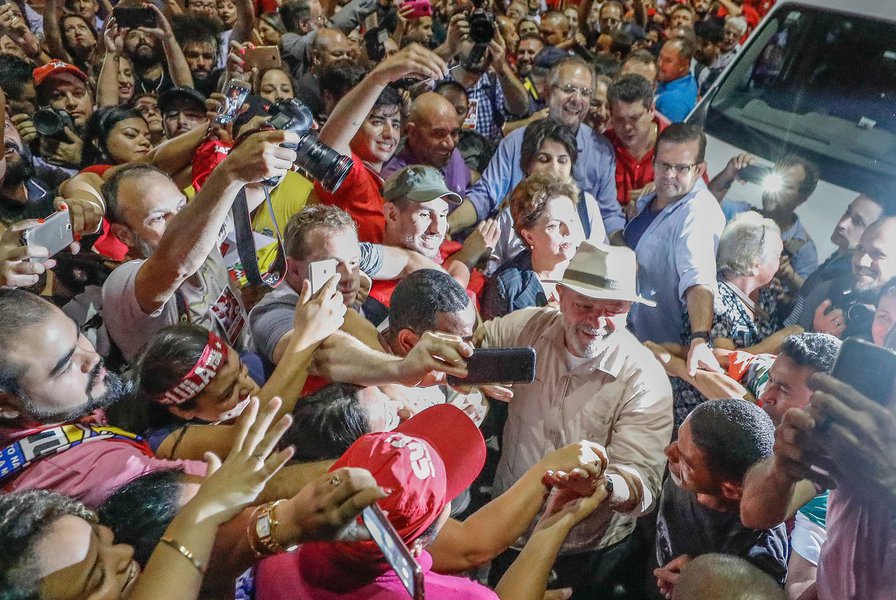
x=54, y=234
x=320, y=272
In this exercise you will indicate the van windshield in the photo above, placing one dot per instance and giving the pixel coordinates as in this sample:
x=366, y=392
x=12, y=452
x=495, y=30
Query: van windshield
x=821, y=84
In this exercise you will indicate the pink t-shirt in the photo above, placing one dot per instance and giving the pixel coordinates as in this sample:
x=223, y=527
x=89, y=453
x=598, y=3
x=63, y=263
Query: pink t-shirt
x=321, y=572
x=91, y=472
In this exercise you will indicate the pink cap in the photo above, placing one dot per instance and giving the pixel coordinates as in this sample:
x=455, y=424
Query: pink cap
x=427, y=461
x=56, y=67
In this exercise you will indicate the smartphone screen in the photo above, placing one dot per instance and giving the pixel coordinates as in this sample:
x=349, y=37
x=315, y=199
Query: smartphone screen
x=394, y=549
x=870, y=369
x=132, y=17
x=320, y=272
x=235, y=93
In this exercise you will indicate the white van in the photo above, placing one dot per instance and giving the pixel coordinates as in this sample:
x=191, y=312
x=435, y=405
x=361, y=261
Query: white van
x=817, y=78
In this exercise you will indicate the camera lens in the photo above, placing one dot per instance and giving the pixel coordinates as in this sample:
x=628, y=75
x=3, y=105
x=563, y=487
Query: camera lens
x=322, y=162
x=48, y=122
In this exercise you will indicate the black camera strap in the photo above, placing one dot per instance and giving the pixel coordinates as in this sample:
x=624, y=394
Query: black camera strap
x=245, y=242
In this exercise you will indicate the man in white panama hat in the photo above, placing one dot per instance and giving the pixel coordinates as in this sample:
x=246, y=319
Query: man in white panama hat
x=594, y=381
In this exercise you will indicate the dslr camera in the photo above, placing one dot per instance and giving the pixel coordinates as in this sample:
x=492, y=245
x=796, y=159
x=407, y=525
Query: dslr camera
x=857, y=307
x=315, y=158
x=51, y=122
x=482, y=32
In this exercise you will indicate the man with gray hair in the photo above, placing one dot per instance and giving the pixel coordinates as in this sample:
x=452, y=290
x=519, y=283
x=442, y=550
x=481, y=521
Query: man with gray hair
x=733, y=31
x=569, y=91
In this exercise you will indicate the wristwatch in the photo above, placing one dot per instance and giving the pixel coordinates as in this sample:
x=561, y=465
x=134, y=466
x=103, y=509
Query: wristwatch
x=265, y=526
x=701, y=335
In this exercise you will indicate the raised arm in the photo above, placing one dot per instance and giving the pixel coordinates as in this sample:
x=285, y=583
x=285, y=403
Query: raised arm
x=468, y=544
x=178, y=68
x=245, y=21
x=193, y=233
x=53, y=31
x=350, y=112
x=107, y=82
x=515, y=95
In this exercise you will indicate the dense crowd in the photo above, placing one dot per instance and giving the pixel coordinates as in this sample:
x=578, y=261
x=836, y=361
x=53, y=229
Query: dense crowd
x=252, y=249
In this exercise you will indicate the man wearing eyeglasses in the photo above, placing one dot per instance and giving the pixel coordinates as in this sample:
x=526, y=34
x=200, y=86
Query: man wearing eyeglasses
x=570, y=87
x=675, y=235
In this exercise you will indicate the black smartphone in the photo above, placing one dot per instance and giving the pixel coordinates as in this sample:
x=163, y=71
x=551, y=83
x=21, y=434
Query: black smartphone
x=754, y=173
x=498, y=365
x=870, y=369
x=395, y=550
x=132, y=17
x=54, y=234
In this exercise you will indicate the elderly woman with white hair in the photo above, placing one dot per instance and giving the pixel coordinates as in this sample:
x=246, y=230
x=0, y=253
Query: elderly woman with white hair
x=745, y=319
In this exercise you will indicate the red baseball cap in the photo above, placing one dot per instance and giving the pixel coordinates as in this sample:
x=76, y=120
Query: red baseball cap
x=56, y=67
x=427, y=461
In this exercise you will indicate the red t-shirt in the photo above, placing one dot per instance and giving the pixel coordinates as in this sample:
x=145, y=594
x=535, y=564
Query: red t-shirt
x=361, y=196
x=632, y=173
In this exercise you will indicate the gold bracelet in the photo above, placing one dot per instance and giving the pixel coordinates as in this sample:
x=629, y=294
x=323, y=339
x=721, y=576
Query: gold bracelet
x=185, y=553
x=251, y=536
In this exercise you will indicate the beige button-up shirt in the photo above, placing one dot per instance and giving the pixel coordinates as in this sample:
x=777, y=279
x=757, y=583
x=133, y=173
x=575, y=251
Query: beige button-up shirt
x=620, y=399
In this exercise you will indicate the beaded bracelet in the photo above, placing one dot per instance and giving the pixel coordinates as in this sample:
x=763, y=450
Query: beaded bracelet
x=185, y=553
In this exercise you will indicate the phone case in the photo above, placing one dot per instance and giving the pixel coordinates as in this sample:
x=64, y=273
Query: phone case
x=54, y=234
x=498, y=365
x=262, y=57
x=395, y=550
x=870, y=369
x=234, y=96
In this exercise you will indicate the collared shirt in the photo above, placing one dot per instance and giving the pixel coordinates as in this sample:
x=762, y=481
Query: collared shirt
x=594, y=172
x=456, y=173
x=797, y=241
x=633, y=173
x=676, y=252
x=620, y=399
x=676, y=98
x=488, y=105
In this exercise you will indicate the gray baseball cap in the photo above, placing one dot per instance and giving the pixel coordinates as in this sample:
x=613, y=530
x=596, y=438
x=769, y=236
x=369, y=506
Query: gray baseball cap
x=418, y=183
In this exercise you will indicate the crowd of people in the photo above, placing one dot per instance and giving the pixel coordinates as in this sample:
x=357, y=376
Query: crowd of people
x=249, y=248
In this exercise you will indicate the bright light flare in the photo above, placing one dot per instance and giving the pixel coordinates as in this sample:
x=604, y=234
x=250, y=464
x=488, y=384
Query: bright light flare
x=773, y=183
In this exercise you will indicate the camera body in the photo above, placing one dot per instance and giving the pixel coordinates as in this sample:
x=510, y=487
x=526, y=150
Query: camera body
x=857, y=308
x=51, y=122
x=317, y=159
x=482, y=32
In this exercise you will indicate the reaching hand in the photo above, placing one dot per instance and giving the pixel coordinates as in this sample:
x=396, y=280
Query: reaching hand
x=588, y=456
x=234, y=484
x=833, y=322
x=738, y=164
x=162, y=31
x=497, y=48
x=25, y=127
x=667, y=576
x=700, y=356
x=482, y=241
x=60, y=152
x=567, y=509
x=114, y=36
x=262, y=156
x=86, y=215
x=16, y=270
x=458, y=31
x=435, y=355
x=316, y=318
x=414, y=60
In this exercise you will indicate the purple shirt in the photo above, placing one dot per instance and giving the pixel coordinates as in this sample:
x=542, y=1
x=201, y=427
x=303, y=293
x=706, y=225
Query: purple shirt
x=858, y=560
x=323, y=572
x=456, y=173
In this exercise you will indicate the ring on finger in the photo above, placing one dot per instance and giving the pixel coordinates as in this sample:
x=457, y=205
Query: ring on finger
x=335, y=481
x=259, y=458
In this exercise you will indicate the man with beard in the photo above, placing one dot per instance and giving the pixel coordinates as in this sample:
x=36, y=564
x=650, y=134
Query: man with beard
x=22, y=194
x=158, y=60
x=198, y=38
x=570, y=87
x=177, y=272
x=62, y=87
x=594, y=381
x=844, y=306
x=529, y=46
x=431, y=136
x=709, y=39
x=182, y=109
x=53, y=382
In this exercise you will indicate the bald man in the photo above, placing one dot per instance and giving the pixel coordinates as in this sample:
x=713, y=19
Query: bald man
x=431, y=139
x=714, y=576
x=330, y=46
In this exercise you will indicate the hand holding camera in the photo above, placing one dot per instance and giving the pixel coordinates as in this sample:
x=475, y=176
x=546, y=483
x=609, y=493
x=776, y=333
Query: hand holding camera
x=262, y=155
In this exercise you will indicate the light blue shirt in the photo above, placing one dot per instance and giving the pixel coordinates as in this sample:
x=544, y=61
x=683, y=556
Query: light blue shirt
x=676, y=252
x=797, y=241
x=594, y=172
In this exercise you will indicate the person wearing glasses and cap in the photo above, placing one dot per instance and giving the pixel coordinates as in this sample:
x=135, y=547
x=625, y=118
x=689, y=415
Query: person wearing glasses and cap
x=675, y=235
x=593, y=381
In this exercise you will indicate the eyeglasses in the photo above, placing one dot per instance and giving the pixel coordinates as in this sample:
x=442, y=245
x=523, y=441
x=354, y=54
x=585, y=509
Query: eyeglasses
x=662, y=167
x=570, y=89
